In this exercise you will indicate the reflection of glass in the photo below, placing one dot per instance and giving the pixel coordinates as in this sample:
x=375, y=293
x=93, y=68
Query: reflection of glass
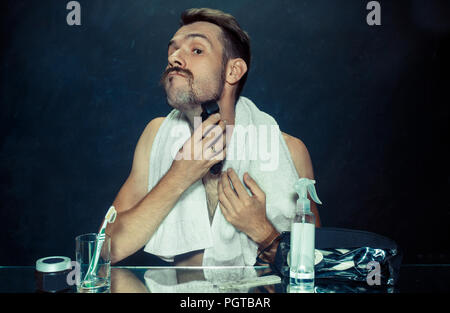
x=100, y=279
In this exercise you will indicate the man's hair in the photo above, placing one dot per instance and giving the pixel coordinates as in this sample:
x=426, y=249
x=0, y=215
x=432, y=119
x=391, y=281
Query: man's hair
x=236, y=41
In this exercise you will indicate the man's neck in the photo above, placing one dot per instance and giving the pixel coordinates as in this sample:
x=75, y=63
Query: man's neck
x=191, y=115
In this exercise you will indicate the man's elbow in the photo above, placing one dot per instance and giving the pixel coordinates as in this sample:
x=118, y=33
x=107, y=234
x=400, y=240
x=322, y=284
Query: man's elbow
x=116, y=255
x=116, y=258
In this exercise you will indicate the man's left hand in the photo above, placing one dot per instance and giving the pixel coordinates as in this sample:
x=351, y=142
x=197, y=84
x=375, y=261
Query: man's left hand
x=246, y=213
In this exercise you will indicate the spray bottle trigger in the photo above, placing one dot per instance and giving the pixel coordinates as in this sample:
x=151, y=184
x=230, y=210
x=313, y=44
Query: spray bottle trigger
x=313, y=194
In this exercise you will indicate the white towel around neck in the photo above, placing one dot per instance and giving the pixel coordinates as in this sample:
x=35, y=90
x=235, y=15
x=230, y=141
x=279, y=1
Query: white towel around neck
x=187, y=227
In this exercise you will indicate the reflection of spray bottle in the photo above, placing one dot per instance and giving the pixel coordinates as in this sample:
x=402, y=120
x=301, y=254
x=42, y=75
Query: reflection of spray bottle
x=303, y=236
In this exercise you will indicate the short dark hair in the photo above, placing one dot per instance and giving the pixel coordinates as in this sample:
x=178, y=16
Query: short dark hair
x=236, y=42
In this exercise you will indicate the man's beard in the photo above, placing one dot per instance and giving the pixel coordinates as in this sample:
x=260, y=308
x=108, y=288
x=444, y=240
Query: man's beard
x=187, y=98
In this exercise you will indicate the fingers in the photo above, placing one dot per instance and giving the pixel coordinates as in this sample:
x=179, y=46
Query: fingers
x=214, y=134
x=253, y=186
x=210, y=123
x=215, y=143
x=213, y=119
x=225, y=203
x=227, y=190
x=238, y=186
x=207, y=142
x=216, y=127
x=227, y=199
x=206, y=127
x=220, y=156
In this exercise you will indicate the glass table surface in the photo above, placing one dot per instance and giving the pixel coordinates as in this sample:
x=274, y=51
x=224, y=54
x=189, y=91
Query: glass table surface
x=414, y=278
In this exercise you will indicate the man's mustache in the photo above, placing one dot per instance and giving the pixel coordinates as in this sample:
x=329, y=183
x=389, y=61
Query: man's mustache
x=179, y=70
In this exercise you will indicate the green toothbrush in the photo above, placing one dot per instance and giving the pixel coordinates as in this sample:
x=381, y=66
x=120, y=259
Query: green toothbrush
x=109, y=218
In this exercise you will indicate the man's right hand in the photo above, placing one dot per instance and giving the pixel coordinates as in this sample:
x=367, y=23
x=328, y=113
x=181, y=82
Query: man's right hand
x=206, y=147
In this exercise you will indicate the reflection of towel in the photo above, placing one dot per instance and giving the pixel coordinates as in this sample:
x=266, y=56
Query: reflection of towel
x=187, y=228
x=216, y=280
x=165, y=281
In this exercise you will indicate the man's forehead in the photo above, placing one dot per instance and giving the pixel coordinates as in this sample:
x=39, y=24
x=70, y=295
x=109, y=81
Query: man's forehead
x=210, y=30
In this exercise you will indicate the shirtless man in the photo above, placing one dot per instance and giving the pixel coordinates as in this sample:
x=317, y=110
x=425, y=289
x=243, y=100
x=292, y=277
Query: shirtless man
x=204, y=62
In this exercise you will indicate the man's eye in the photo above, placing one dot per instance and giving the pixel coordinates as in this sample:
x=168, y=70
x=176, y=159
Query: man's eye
x=197, y=51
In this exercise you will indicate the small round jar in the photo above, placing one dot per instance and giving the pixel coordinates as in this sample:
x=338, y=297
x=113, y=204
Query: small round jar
x=51, y=274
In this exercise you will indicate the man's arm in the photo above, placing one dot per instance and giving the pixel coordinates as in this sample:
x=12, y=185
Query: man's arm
x=303, y=165
x=140, y=213
x=132, y=192
x=135, y=187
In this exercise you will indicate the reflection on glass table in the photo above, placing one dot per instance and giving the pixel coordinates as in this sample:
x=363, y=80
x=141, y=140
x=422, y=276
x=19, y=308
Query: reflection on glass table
x=220, y=280
x=414, y=278
x=193, y=279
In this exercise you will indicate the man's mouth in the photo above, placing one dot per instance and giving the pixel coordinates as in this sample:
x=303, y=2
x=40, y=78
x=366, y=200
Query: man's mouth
x=176, y=74
x=169, y=75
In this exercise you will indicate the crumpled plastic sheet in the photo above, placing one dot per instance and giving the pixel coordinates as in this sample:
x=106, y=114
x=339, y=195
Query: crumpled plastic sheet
x=359, y=264
x=360, y=269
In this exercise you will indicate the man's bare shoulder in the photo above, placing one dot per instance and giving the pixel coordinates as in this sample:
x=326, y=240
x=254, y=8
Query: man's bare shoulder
x=300, y=155
x=150, y=131
x=144, y=146
x=154, y=125
x=295, y=145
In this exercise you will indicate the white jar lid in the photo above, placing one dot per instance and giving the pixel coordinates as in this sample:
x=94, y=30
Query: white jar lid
x=53, y=264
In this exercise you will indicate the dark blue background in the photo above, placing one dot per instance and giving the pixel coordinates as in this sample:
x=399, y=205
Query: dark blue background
x=370, y=102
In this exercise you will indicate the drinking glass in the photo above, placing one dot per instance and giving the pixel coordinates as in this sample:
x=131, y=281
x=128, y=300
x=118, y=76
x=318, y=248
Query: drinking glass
x=95, y=277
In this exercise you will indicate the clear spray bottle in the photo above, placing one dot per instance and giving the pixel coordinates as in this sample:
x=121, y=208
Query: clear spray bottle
x=303, y=238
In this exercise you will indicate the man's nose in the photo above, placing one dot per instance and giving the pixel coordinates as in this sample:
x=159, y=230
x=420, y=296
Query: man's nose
x=176, y=60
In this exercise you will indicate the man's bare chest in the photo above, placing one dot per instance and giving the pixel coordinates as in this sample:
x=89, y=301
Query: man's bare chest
x=210, y=182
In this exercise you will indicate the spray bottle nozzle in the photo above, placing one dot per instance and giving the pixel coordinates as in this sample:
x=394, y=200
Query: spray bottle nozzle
x=303, y=186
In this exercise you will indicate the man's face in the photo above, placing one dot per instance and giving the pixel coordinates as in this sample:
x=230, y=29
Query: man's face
x=195, y=72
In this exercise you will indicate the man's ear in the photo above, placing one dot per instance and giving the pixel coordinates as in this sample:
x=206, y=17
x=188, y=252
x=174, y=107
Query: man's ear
x=236, y=68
